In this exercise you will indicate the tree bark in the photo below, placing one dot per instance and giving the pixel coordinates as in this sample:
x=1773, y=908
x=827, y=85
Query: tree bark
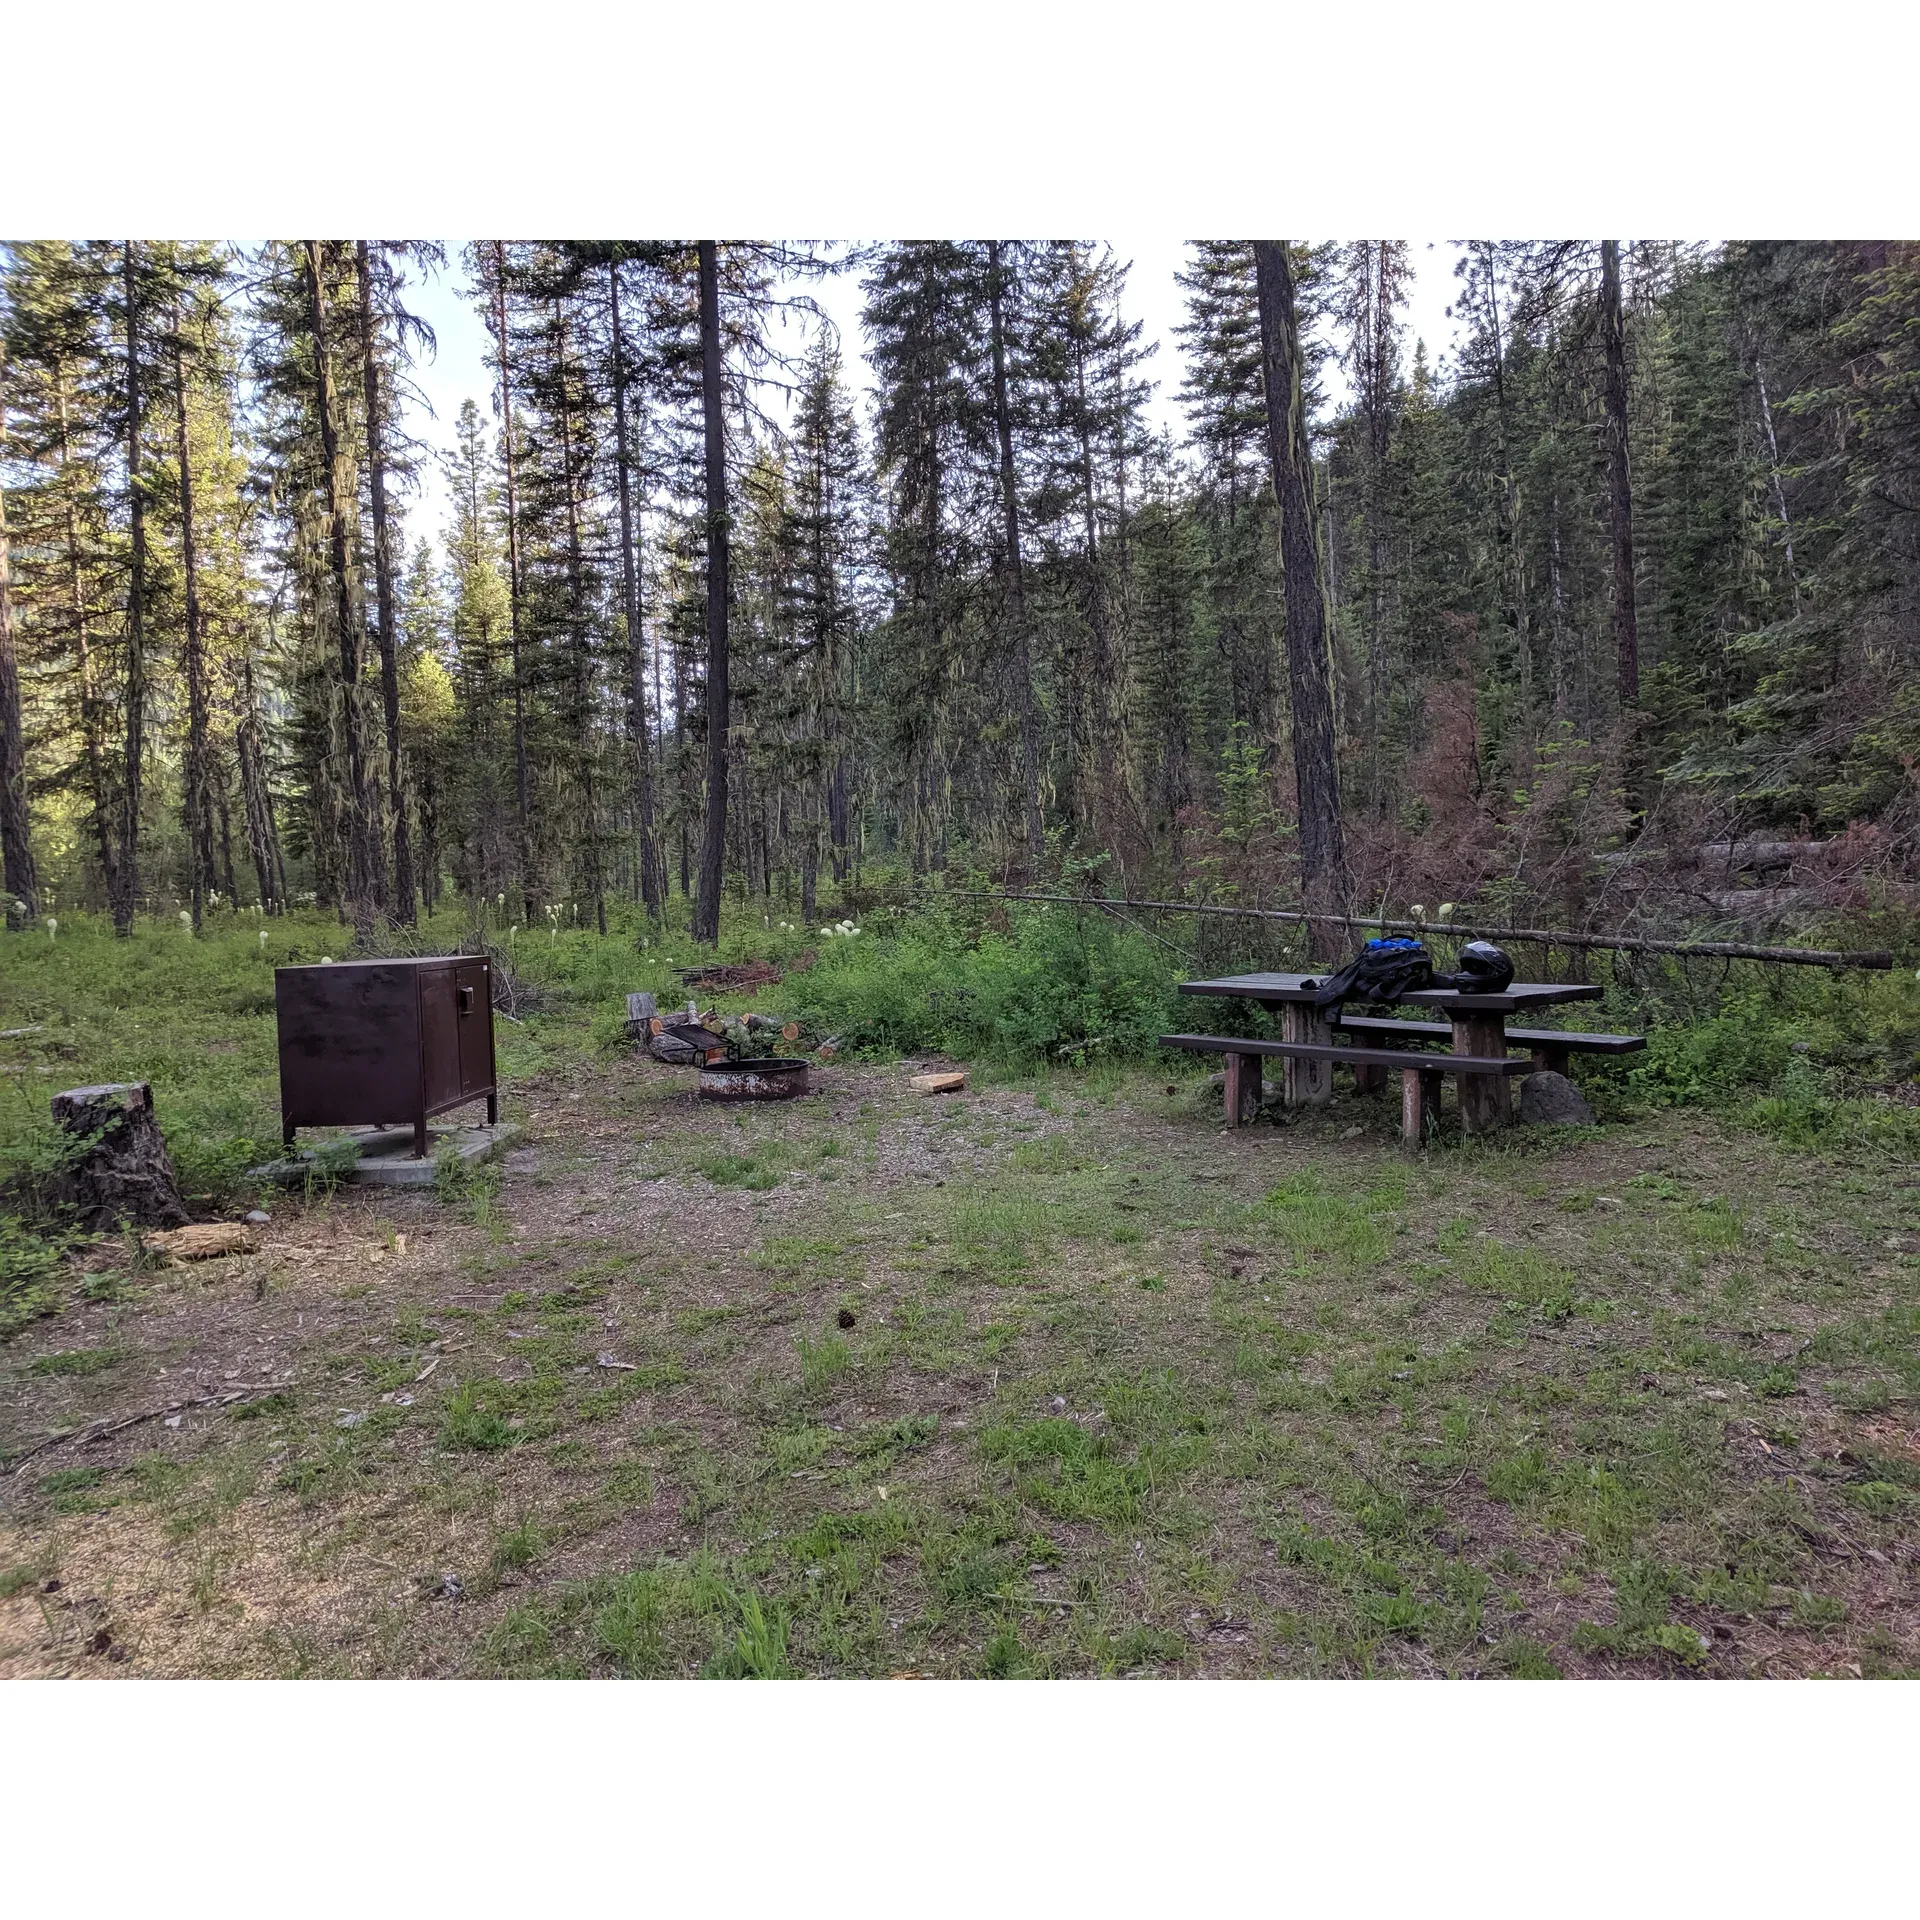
x=263, y=836
x=362, y=885
x=403, y=881
x=1773, y=473
x=1016, y=572
x=706, y=918
x=1316, y=768
x=196, y=799
x=92, y=723
x=522, y=812
x=127, y=867
x=1613, y=340
x=636, y=631
x=1514, y=565
x=581, y=641
x=16, y=850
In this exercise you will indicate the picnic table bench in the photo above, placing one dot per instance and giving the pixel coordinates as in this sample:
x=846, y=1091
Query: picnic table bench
x=1476, y=1027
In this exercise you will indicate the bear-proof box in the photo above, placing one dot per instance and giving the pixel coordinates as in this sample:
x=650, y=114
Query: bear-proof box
x=385, y=1042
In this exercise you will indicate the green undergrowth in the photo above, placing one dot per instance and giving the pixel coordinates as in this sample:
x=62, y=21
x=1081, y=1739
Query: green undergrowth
x=1822, y=1063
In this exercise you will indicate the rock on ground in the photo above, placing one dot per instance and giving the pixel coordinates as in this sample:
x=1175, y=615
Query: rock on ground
x=1552, y=1100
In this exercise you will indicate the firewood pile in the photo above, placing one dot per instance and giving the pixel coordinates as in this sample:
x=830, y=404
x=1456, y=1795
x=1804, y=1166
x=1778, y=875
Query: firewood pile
x=686, y=1037
x=681, y=1037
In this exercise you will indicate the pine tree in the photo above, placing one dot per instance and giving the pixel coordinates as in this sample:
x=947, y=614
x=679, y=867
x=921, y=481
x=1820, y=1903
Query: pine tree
x=706, y=920
x=16, y=849
x=1316, y=770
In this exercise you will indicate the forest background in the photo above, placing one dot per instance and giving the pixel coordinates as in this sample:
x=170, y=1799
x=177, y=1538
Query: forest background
x=1628, y=574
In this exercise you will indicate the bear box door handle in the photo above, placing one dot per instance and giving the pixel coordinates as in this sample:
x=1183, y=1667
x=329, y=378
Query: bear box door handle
x=466, y=1001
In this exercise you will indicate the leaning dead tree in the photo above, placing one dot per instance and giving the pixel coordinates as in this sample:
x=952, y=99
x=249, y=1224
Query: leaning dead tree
x=1876, y=960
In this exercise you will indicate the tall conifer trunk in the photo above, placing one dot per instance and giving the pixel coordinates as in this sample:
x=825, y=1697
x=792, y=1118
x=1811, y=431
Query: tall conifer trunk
x=1016, y=572
x=403, y=880
x=196, y=802
x=1103, y=810
x=362, y=882
x=522, y=811
x=713, y=850
x=636, y=632
x=127, y=872
x=1316, y=768
x=16, y=850
x=1613, y=340
x=263, y=837
x=93, y=742
x=580, y=638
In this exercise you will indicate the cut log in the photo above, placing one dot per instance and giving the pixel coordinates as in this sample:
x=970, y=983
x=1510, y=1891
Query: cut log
x=938, y=1082
x=209, y=1242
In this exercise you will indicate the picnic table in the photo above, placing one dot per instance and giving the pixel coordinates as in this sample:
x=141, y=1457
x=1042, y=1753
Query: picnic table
x=1479, y=1056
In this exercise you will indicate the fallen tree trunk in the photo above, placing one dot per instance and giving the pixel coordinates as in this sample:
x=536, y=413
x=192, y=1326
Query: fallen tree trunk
x=1878, y=960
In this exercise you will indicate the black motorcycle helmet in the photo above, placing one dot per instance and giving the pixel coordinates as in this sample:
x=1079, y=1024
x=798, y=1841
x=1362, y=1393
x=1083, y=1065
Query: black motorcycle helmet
x=1484, y=968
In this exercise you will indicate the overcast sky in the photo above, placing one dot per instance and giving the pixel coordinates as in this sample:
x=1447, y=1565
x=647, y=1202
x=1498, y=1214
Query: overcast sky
x=459, y=370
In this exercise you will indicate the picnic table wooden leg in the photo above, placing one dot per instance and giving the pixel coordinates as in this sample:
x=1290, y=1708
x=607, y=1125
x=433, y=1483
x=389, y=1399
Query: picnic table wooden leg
x=1305, y=1083
x=1419, y=1103
x=1483, y=1097
x=1243, y=1088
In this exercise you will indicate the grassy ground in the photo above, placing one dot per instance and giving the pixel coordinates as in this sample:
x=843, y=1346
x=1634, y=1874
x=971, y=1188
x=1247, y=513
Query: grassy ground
x=1049, y=1377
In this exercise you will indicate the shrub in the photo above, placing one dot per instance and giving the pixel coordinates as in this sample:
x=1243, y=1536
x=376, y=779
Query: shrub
x=30, y=1265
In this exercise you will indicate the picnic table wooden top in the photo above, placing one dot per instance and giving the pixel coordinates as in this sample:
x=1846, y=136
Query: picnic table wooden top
x=1517, y=997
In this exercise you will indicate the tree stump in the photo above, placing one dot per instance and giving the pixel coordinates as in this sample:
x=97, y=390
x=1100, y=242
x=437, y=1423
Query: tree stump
x=124, y=1175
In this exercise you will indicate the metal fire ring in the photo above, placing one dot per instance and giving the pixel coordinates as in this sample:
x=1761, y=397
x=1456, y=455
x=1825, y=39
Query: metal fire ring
x=753, y=1080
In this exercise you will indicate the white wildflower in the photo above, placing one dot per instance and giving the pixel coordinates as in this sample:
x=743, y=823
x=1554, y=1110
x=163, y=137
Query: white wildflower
x=186, y=919
x=53, y=927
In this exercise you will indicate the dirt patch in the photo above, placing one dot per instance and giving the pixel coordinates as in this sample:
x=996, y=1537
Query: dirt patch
x=1121, y=1393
